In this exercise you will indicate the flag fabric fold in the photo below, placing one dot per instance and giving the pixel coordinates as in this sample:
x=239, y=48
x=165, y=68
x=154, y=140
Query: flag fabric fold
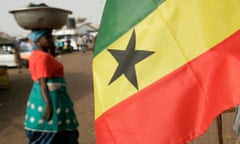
x=163, y=70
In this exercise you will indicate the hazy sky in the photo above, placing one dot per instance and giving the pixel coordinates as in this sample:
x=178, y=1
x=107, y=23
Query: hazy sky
x=90, y=9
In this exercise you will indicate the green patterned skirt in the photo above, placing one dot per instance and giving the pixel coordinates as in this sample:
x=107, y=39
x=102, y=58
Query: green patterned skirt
x=63, y=118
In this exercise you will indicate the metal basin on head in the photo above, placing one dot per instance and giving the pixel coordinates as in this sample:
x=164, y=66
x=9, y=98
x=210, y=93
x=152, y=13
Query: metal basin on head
x=41, y=17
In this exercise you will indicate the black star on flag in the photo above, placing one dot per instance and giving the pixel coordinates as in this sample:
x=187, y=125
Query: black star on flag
x=127, y=59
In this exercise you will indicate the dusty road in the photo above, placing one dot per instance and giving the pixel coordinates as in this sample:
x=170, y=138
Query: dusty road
x=78, y=73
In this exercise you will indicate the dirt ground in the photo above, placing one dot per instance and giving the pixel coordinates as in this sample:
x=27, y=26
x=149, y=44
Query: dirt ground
x=78, y=74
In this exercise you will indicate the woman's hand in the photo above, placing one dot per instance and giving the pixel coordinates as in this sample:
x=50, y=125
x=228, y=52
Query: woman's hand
x=48, y=112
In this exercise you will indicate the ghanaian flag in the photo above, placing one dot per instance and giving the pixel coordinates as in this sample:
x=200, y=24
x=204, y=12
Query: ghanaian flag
x=164, y=69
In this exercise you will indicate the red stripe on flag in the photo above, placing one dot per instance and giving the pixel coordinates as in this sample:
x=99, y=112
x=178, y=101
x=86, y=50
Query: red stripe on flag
x=179, y=107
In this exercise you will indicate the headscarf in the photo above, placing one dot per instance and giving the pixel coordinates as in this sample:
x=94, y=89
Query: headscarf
x=37, y=34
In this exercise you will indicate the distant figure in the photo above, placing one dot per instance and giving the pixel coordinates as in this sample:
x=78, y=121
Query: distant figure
x=89, y=41
x=25, y=45
x=69, y=46
x=60, y=45
x=81, y=45
x=16, y=51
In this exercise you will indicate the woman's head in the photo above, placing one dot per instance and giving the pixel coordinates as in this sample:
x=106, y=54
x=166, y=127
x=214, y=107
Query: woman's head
x=43, y=39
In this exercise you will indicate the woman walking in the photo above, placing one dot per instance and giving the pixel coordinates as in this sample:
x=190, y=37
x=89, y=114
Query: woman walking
x=50, y=116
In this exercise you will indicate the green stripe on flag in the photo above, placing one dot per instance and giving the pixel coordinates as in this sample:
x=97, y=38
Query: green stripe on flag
x=118, y=18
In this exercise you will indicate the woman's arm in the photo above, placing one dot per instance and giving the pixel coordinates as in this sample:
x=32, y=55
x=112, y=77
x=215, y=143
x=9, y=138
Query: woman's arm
x=45, y=93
